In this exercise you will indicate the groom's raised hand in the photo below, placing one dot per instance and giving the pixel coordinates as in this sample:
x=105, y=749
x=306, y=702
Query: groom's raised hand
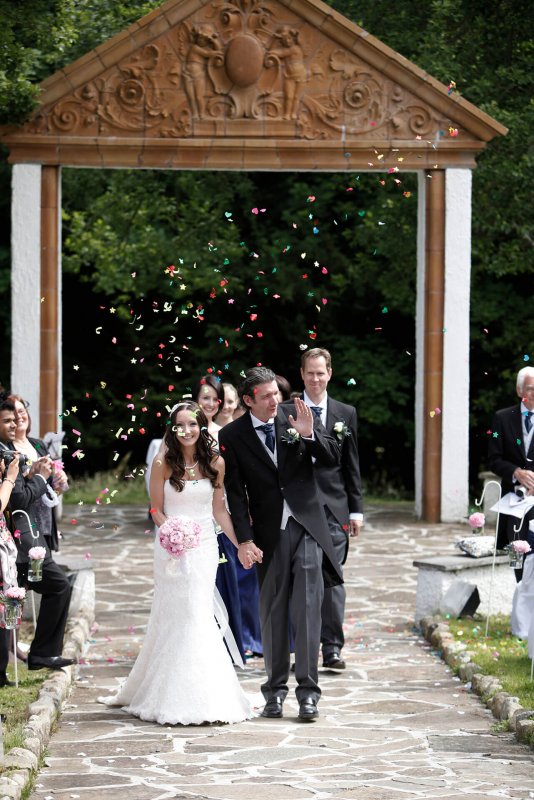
x=303, y=424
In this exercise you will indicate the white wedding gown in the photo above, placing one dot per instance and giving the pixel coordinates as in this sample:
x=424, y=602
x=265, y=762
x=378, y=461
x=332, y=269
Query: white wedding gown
x=183, y=674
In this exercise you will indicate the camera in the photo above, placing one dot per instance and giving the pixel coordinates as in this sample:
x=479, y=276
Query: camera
x=520, y=492
x=11, y=455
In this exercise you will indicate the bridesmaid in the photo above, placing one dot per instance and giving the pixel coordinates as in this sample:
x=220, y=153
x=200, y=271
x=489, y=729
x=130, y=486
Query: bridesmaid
x=208, y=392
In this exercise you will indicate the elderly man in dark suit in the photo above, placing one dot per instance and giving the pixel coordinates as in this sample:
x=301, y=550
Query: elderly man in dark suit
x=511, y=453
x=340, y=490
x=276, y=511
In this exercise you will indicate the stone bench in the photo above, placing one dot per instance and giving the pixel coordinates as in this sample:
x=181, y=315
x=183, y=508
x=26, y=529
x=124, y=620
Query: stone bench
x=442, y=579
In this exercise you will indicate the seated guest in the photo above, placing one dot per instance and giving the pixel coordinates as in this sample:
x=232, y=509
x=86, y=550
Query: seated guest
x=54, y=587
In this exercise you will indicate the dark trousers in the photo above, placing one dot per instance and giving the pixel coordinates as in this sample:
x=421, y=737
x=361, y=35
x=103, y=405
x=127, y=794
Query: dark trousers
x=333, y=608
x=292, y=583
x=5, y=644
x=55, y=591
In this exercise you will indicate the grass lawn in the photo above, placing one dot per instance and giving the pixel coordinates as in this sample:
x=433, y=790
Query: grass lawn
x=14, y=702
x=500, y=654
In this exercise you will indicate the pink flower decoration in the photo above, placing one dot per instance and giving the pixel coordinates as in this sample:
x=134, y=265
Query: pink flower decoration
x=477, y=520
x=521, y=546
x=37, y=553
x=15, y=593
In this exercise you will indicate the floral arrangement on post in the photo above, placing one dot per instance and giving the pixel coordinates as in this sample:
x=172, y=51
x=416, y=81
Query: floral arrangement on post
x=477, y=521
x=177, y=535
x=36, y=555
x=516, y=550
x=12, y=599
x=341, y=430
x=291, y=436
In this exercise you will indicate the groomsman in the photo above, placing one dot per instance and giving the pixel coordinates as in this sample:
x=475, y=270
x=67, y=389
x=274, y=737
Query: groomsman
x=281, y=526
x=339, y=489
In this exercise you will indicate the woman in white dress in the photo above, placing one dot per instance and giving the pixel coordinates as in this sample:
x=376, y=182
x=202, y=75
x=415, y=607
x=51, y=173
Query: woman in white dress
x=183, y=674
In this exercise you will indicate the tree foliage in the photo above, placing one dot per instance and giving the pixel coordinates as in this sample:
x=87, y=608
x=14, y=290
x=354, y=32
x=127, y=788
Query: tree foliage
x=330, y=261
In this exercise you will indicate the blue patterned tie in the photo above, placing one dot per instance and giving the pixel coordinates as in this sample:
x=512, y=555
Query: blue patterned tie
x=268, y=430
x=317, y=411
x=528, y=421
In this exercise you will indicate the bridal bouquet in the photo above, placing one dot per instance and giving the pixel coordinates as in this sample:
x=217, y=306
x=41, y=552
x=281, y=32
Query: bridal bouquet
x=179, y=534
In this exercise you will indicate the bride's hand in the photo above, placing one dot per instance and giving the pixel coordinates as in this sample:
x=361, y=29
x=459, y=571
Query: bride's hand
x=249, y=554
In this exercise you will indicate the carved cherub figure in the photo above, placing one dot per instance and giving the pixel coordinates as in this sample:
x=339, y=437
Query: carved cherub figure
x=290, y=54
x=204, y=46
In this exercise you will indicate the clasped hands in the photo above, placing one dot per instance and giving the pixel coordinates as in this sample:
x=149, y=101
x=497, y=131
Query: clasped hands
x=249, y=554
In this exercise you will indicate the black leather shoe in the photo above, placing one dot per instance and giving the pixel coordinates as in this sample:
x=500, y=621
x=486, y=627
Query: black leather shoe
x=52, y=662
x=273, y=708
x=308, y=711
x=333, y=662
x=4, y=681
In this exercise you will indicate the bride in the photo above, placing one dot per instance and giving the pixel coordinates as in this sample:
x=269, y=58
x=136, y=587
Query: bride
x=183, y=674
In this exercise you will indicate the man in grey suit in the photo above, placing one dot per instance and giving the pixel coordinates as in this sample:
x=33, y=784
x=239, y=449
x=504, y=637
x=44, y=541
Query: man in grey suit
x=339, y=488
x=281, y=526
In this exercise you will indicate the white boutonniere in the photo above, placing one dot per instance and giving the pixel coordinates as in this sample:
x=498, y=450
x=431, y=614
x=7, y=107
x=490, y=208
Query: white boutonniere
x=341, y=430
x=291, y=436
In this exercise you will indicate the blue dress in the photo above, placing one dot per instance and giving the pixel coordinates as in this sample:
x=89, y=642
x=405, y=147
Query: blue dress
x=249, y=594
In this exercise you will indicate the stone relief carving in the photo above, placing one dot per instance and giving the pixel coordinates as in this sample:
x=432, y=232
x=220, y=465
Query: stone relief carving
x=249, y=62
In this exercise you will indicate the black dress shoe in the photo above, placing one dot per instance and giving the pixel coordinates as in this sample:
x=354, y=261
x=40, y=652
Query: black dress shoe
x=50, y=662
x=308, y=711
x=333, y=662
x=4, y=681
x=273, y=708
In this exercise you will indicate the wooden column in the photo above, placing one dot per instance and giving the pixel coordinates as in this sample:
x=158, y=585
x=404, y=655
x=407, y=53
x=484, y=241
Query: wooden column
x=433, y=348
x=50, y=210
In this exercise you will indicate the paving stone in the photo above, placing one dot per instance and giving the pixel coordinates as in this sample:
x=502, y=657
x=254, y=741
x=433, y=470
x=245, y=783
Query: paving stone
x=395, y=725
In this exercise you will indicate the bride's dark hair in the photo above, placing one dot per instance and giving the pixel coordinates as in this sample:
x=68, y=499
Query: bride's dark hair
x=205, y=449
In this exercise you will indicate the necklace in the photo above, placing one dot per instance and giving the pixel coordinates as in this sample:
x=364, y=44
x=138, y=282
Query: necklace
x=191, y=469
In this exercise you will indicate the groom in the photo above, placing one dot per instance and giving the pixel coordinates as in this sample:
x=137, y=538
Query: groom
x=275, y=509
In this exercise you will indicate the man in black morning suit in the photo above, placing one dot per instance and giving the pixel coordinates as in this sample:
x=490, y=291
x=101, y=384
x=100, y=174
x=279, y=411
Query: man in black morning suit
x=339, y=489
x=511, y=454
x=54, y=587
x=280, y=525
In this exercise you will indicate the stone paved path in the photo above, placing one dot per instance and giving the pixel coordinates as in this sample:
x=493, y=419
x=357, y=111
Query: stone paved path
x=396, y=726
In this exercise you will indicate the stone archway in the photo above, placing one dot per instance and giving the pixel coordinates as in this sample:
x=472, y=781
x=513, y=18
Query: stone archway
x=262, y=85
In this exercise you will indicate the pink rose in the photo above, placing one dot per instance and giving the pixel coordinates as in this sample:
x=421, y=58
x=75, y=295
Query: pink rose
x=477, y=520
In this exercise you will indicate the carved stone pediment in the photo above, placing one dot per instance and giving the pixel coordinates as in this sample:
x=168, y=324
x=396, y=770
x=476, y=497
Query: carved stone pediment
x=243, y=76
x=244, y=61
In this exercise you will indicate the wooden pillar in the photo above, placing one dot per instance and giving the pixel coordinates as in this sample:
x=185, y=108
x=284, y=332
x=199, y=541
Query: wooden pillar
x=49, y=372
x=433, y=344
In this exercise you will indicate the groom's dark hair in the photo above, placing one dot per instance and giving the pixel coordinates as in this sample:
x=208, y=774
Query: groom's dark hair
x=254, y=377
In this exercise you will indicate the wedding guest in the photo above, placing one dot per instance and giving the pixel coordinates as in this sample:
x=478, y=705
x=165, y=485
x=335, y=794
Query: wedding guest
x=511, y=454
x=208, y=392
x=34, y=449
x=339, y=488
x=8, y=558
x=54, y=586
x=231, y=400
